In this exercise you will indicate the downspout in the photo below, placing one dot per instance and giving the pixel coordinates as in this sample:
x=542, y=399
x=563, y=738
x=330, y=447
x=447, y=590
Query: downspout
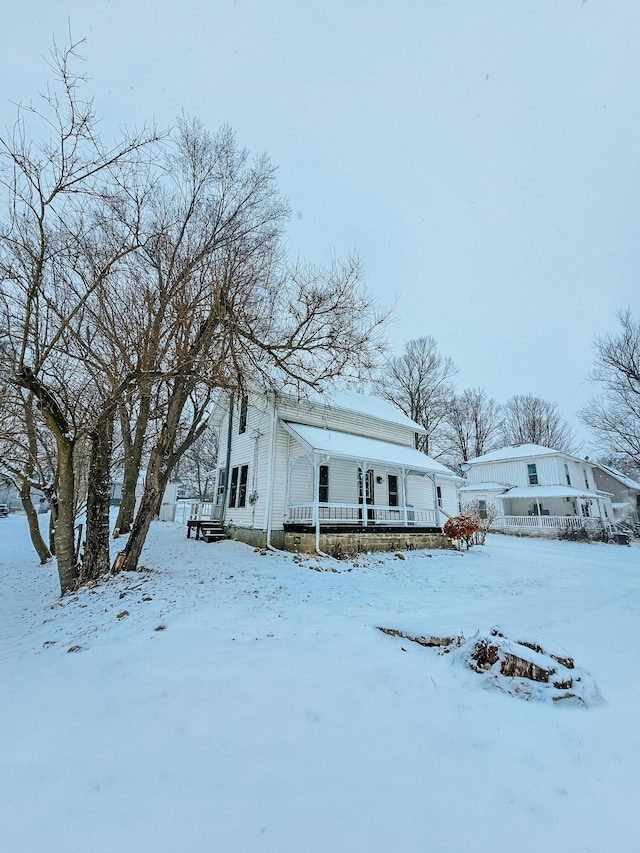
x=274, y=421
x=228, y=461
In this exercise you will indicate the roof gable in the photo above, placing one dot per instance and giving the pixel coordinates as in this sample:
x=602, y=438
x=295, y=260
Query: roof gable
x=518, y=451
x=362, y=404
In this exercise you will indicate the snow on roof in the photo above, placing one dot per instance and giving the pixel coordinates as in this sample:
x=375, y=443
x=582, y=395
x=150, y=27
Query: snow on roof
x=484, y=487
x=375, y=407
x=534, y=492
x=622, y=478
x=351, y=446
x=518, y=451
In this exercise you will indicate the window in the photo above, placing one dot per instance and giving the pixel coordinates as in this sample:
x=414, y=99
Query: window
x=323, y=484
x=222, y=483
x=586, y=479
x=392, y=482
x=439, y=496
x=482, y=509
x=533, y=474
x=566, y=474
x=233, y=491
x=242, y=426
x=242, y=491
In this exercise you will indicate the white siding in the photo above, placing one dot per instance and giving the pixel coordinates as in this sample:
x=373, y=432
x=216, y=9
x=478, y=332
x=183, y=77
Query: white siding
x=252, y=448
x=420, y=492
x=352, y=422
x=550, y=471
x=449, y=491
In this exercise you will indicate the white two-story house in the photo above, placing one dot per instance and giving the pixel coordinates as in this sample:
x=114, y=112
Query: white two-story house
x=337, y=475
x=537, y=490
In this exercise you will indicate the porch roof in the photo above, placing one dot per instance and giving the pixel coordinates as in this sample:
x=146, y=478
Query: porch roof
x=484, y=487
x=533, y=492
x=348, y=446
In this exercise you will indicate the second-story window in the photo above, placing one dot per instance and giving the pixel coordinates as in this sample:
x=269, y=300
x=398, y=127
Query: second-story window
x=532, y=471
x=586, y=479
x=242, y=426
x=566, y=474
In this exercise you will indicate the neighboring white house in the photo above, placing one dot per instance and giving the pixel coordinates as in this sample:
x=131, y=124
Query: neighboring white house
x=537, y=490
x=337, y=474
x=625, y=493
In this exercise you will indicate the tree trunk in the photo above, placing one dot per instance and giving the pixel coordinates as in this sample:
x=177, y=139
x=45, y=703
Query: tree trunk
x=154, y=486
x=64, y=532
x=95, y=562
x=132, y=459
x=25, y=490
x=32, y=520
x=64, y=535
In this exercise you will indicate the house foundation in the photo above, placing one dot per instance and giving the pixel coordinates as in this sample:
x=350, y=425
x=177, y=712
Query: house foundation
x=346, y=543
x=342, y=543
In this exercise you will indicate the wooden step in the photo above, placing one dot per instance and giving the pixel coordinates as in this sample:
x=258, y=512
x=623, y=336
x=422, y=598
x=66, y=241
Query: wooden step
x=213, y=537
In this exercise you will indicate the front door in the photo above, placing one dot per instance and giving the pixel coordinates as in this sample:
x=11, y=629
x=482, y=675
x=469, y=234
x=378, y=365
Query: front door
x=365, y=493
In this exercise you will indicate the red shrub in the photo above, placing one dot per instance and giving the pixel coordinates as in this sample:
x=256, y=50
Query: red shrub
x=462, y=527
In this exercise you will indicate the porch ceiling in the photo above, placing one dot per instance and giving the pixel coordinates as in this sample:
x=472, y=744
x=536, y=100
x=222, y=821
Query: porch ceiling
x=348, y=446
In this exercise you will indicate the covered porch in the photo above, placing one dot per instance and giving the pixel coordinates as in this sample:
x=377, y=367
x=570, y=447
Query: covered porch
x=548, y=509
x=339, y=482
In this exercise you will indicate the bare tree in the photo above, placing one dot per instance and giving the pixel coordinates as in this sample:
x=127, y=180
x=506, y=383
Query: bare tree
x=614, y=415
x=527, y=419
x=472, y=425
x=229, y=308
x=484, y=514
x=196, y=469
x=137, y=284
x=27, y=458
x=419, y=384
x=66, y=232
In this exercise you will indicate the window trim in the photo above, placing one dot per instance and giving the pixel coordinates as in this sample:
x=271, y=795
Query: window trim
x=242, y=420
x=532, y=473
x=233, y=488
x=323, y=484
x=242, y=487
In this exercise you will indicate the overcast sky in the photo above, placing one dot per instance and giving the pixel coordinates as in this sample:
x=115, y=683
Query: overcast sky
x=481, y=156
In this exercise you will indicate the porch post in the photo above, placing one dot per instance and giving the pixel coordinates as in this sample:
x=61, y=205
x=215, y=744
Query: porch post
x=287, y=498
x=365, y=506
x=436, y=508
x=403, y=474
x=539, y=512
x=316, y=487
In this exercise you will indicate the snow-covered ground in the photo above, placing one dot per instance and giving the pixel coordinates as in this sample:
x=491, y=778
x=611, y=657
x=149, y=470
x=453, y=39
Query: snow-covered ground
x=227, y=700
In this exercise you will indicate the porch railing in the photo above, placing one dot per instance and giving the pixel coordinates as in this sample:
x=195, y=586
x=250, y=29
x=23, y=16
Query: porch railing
x=363, y=515
x=186, y=510
x=553, y=522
